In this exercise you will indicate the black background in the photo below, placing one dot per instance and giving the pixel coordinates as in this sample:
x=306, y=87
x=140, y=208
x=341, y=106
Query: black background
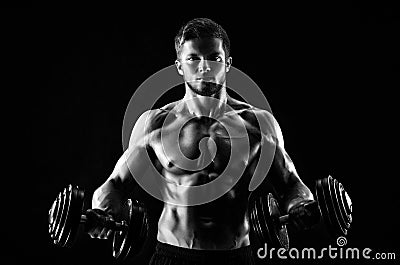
x=328, y=73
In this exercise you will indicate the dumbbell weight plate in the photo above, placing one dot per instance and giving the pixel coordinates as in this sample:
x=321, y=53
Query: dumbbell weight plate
x=54, y=215
x=330, y=195
x=259, y=219
x=329, y=188
x=344, y=202
x=325, y=204
x=60, y=222
x=339, y=207
x=64, y=216
x=279, y=231
x=74, y=216
x=347, y=203
x=127, y=243
x=255, y=224
x=264, y=216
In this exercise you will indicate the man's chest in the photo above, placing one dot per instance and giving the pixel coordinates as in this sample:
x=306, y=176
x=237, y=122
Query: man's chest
x=195, y=144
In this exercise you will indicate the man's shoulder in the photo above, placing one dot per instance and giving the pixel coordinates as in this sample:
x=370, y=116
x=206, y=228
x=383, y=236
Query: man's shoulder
x=249, y=112
x=156, y=117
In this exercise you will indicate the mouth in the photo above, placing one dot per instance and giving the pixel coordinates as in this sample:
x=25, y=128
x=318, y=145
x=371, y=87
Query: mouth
x=206, y=218
x=208, y=221
x=204, y=80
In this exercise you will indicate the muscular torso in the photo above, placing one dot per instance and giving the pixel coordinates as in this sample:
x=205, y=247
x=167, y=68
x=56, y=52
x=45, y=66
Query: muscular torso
x=191, y=151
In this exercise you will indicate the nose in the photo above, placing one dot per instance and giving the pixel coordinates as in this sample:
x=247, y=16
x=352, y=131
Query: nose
x=204, y=66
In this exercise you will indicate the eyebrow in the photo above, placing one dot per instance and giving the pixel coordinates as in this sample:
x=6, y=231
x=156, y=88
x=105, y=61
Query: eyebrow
x=215, y=53
x=211, y=54
x=192, y=54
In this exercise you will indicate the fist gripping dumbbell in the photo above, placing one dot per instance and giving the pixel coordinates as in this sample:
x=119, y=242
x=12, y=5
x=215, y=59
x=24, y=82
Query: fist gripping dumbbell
x=66, y=214
x=333, y=203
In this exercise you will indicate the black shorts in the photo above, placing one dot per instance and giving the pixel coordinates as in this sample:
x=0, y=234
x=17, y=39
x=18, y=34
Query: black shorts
x=168, y=254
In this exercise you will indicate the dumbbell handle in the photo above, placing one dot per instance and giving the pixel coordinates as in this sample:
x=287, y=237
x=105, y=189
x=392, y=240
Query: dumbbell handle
x=107, y=222
x=284, y=219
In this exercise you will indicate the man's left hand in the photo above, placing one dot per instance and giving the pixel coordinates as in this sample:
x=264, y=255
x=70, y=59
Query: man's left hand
x=304, y=215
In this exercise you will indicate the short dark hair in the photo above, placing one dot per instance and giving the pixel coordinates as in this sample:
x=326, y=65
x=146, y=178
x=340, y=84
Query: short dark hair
x=201, y=28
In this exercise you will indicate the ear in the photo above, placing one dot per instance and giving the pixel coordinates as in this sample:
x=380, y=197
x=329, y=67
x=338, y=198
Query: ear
x=228, y=64
x=178, y=65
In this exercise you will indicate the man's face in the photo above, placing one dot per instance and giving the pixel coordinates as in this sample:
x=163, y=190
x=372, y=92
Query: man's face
x=203, y=65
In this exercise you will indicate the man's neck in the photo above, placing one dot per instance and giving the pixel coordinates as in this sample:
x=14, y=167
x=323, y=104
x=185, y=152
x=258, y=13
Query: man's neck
x=212, y=106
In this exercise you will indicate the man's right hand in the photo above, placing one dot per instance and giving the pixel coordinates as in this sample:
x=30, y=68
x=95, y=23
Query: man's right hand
x=99, y=224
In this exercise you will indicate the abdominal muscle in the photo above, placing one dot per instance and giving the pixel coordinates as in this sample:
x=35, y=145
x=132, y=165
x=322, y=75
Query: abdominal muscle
x=218, y=225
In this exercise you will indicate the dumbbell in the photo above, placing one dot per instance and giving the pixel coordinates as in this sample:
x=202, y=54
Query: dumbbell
x=332, y=201
x=66, y=214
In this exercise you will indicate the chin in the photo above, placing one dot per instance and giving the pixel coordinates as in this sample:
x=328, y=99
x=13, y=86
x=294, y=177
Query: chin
x=206, y=89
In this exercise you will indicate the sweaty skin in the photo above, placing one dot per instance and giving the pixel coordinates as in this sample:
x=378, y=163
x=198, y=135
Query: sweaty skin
x=220, y=224
x=201, y=126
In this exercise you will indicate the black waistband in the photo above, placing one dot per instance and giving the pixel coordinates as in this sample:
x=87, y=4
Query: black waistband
x=197, y=254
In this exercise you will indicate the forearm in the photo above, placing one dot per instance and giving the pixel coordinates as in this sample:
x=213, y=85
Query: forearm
x=109, y=197
x=287, y=183
x=134, y=162
x=116, y=189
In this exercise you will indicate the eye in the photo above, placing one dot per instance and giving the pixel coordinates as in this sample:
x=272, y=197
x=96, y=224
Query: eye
x=192, y=58
x=218, y=58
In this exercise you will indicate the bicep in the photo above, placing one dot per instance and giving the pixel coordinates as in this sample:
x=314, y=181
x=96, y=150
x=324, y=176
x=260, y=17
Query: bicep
x=282, y=172
x=285, y=181
x=122, y=181
x=275, y=167
x=131, y=166
x=134, y=162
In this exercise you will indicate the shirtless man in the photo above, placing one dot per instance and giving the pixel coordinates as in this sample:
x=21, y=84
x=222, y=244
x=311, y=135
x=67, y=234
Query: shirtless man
x=217, y=230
